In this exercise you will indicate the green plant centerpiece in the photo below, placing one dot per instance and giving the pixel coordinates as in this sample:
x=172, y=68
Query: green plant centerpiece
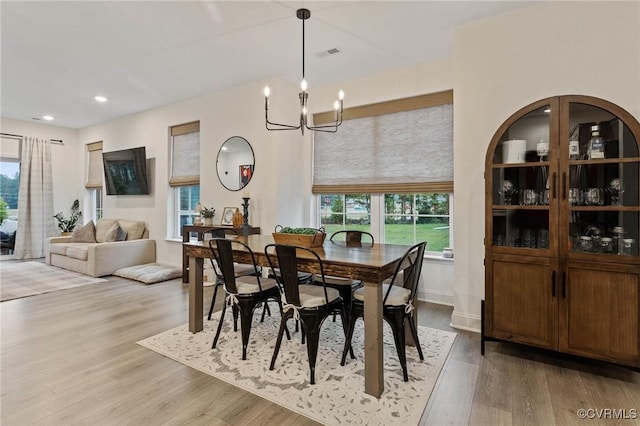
x=305, y=237
x=68, y=225
x=208, y=212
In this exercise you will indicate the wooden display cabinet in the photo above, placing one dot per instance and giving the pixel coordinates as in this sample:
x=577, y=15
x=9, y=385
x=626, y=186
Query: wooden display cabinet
x=562, y=267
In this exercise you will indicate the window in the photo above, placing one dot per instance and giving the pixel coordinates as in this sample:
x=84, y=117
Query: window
x=10, y=184
x=95, y=179
x=345, y=211
x=96, y=204
x=389, y=170
x=392, y=218
x=411, y=218
x=185, y=174
x=187, y=198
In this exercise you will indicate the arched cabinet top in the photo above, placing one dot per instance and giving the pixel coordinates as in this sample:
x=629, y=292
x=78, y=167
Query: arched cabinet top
x=559, y=115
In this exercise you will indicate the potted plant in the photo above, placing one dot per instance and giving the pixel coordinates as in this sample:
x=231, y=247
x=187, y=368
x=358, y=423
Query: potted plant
x=67, y=225
x=208, y=214
x=305, y=237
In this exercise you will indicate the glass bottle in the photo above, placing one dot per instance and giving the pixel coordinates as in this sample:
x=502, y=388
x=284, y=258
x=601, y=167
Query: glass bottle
x=596, y=144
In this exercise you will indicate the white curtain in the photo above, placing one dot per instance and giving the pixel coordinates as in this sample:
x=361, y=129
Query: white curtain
x=35, y=199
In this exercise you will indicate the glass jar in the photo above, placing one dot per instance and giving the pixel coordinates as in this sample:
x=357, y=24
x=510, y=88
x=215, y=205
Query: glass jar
x=606, y=245
x=627, y=246
x=586, y=243
x=618, y=233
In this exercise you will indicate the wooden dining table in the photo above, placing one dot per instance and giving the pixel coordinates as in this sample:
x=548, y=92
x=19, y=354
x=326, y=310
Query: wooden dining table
x=371, y=264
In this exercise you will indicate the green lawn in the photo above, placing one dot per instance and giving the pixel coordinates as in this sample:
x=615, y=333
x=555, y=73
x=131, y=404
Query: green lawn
x=435, y=234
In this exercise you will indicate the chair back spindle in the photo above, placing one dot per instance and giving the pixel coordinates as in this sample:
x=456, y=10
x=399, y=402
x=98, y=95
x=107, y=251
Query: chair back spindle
x=411, y=264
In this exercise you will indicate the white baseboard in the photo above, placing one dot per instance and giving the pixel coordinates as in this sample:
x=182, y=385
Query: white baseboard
x=466, y=322
x=438, y=297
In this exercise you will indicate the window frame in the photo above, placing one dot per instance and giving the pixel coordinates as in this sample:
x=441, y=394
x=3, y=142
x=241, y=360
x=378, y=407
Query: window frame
x=178, y=212
x=377, y=216
x=97, y=203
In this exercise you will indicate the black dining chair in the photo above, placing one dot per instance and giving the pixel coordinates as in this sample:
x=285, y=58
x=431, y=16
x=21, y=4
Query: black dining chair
x=346, y=286
x=242, y=293
x=310, y=304
x=398, y=298
x=354, y=238
x=240, y=269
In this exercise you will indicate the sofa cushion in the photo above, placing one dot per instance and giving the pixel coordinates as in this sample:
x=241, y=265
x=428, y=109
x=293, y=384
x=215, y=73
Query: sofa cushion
x=84, y=234
x=78, y=252
x=134, y=228
x=149, y=273
x=122, y=234
x=58, y=248
x=102, y=226
x=115, y=233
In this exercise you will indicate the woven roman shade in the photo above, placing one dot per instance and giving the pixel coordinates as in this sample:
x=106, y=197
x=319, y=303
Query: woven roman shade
x=185, y=154
x=95, y=175
x=403, y=146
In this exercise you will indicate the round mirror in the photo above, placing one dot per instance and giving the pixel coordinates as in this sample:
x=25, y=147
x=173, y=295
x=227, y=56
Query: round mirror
x=235, y=163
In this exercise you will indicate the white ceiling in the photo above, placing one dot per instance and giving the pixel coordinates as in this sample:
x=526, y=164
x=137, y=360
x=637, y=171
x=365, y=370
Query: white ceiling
x=57, y=55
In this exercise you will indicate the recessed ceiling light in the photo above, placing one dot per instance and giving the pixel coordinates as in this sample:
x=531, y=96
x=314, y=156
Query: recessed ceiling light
x=547, y=110
x=100, y=99
x=47, y=117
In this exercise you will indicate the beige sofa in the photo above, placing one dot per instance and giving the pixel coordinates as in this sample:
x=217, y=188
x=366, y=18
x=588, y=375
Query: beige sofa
x=103, y=257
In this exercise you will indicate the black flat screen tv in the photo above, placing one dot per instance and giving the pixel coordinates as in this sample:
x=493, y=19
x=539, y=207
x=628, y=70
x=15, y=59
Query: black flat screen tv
x=125, y=171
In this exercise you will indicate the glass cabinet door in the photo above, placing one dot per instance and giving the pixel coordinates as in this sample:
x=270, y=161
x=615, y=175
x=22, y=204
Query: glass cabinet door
x=522, y=182
x=602, y=186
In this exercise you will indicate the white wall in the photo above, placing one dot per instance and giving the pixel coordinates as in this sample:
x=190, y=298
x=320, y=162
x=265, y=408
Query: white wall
x=503, y=63
x=278, y=181
x=67, y=160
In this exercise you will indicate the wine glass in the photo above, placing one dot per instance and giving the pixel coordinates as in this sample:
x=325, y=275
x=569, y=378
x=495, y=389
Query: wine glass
x=615, y=189
x=508, y=191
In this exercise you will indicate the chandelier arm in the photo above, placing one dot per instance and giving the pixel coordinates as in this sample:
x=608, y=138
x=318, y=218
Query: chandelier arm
x=334, y=124
x=324, y=126
x=282, y=126
x=328, y=129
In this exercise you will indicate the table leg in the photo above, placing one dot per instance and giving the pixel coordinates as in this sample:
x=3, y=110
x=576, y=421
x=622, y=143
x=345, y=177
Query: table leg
x=185, y=258
x=195, y=294
x=373, y=351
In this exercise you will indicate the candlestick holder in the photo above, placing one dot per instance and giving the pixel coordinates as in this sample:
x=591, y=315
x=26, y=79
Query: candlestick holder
x=245, y=217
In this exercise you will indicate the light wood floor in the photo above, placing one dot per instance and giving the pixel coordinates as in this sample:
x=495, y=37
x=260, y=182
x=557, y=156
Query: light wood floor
x=70, y=357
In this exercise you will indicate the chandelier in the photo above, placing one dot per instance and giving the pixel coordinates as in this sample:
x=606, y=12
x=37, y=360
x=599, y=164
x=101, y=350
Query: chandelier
x=303, y=15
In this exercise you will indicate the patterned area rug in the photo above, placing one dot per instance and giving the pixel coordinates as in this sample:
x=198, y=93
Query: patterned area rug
x=338, y=396
x=22, y=279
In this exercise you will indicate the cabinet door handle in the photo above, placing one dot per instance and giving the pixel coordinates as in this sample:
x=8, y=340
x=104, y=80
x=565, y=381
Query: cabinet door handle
x=564, y=285
x=554, y=187
x=553, y=284
x=564, y=186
